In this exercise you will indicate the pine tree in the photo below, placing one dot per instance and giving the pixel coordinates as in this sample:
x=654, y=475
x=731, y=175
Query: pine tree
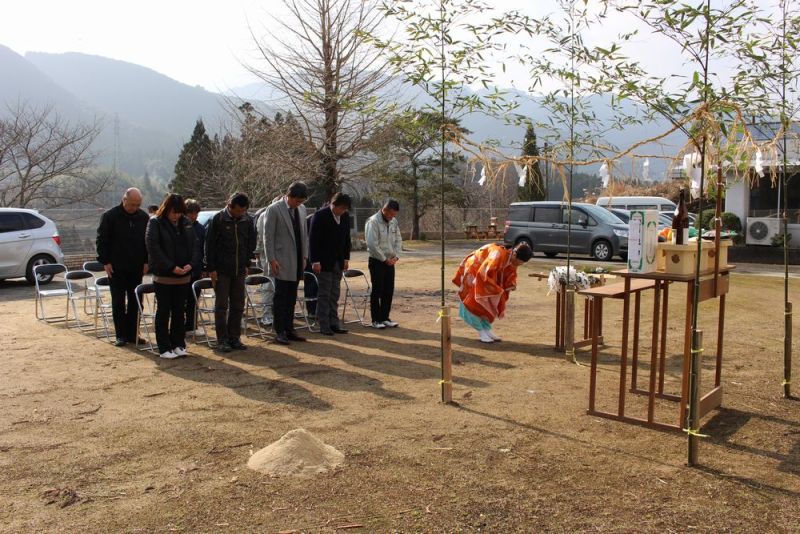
x=534, y=185
x=195, y=163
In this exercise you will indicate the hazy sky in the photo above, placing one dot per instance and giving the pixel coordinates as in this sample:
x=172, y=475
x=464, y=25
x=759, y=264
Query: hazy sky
x=199, y=42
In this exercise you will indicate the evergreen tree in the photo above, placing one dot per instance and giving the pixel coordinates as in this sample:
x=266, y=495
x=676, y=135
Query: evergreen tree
x=195, y=163
x=534, y=184
x=408, y=163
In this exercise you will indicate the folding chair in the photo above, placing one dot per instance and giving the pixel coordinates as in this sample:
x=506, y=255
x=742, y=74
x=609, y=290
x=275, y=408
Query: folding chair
x=78, y=290
x=358, y=296
x=303, y=299
x=99, y=271
x=145, y=300
x=203, y=294
x=48, y=270
x=102, y=308
x=253, y=269
x=255, y=304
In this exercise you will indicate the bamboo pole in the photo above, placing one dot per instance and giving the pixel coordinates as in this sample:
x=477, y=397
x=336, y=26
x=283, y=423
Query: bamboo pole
x=693, y=422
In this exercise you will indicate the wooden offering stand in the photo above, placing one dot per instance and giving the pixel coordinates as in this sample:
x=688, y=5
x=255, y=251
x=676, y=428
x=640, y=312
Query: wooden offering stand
x=714, y=284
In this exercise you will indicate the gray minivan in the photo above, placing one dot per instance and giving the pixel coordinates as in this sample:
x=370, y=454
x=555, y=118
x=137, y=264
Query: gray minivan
x=543, y=225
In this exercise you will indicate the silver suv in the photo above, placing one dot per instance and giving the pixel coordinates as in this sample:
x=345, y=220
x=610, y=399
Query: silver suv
x=543, y=225
x=27, y=239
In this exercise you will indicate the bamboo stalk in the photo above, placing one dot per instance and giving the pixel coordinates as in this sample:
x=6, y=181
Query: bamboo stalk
x=693, y=422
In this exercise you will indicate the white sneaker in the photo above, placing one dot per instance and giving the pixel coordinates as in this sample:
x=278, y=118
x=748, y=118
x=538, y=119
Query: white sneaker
x=378, y=325
x=390, y=324
x=494, y=336
x=169, y=355
x=485, y=337
x=180, y=351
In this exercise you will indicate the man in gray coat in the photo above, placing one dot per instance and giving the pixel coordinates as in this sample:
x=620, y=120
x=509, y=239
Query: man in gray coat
x=286, y=244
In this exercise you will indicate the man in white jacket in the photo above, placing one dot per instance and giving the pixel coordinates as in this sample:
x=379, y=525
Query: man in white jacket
x=384, y=243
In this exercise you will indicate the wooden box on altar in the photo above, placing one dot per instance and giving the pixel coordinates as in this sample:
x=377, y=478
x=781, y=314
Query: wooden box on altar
x=708, y=253
x=677, y=259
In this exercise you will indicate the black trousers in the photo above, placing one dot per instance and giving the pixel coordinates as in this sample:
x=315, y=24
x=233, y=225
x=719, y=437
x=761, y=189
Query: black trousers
x=283, y=305
x=123, y=303
x=229, y=307
x=380, y=300
x=170, y=307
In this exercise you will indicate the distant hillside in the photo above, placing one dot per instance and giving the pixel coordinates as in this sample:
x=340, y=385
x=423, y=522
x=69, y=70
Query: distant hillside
x=140, y=96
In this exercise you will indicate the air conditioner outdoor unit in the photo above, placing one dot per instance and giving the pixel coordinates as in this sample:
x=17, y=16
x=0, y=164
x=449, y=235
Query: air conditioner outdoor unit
x=761, y=230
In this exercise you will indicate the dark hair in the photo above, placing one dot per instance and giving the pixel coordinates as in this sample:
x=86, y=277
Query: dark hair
x=391, y=204
x=152, y=208
x=192, y=206
x=239, y=199
x=172, y=202
x=297, y=190
x=341, y=199
x=523, y=252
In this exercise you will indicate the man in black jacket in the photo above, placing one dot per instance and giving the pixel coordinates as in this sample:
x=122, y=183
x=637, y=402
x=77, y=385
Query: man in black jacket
x=192, y=211
x=121, y=250
x=329, y=244
x=230, y=243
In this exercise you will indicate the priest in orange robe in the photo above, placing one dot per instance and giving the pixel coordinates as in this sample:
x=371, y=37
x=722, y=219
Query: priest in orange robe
x=484, y=280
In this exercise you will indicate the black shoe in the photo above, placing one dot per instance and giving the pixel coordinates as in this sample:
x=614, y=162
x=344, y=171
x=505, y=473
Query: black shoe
x=224, y=346
x=238, y=345
x=120, y=342
x=291, y=336
x=281, y=339
x=326, y=332
x=339, y=330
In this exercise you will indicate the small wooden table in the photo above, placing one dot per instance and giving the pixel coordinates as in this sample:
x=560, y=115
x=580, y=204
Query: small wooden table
x=711, y=286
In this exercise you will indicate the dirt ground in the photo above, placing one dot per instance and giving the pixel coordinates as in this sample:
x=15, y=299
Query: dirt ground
x=95, y=438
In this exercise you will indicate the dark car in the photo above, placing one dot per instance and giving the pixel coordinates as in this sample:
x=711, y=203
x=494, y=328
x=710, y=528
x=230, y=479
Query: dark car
x=543, y=225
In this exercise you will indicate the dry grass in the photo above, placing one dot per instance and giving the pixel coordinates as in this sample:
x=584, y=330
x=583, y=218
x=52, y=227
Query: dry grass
x=99, y=439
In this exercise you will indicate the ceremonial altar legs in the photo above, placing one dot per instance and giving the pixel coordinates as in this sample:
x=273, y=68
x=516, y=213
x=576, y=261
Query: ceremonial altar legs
x=711, y=286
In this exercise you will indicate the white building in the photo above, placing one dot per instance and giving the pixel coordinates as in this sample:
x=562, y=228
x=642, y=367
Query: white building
x=760, y=204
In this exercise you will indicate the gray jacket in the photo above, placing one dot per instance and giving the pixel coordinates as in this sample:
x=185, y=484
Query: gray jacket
x=278, y=239
x=383, y=239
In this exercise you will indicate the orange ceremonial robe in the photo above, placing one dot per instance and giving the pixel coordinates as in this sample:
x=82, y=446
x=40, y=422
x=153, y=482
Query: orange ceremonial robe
x=483, y=280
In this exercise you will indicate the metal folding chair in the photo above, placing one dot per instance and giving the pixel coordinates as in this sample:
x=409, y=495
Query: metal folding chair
x=102, y=308
x=145, y=300
x=255, y=304
x=40, y=272
x=357, y=293
x=78, y=290
x=99, y=271
x=203, y=294
x=303, y=299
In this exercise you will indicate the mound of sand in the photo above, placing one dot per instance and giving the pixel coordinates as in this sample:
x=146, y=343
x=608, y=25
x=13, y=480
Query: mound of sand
x=298, y=452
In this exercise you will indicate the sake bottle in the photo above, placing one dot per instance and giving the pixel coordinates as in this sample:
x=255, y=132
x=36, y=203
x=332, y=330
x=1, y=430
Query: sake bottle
x=680, y=223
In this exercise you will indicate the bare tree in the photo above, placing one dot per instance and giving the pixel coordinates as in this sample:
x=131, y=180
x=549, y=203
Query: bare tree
x=45, y=160
x=331, y=78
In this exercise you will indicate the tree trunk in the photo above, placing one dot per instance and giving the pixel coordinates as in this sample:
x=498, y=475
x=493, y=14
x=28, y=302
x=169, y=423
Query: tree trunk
x=415, y=216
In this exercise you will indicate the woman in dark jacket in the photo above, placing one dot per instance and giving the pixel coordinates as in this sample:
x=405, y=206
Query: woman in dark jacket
x=172, y=256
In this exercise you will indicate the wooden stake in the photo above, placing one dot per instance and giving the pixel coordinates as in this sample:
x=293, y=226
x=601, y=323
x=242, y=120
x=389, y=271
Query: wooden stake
x=447, y=357
x=693, y=421
x=569, y=326
x=787, y=352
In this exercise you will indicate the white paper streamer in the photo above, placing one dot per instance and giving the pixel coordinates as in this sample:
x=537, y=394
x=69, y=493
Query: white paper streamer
x=522, y=172
x=759, y=164
x=483, y=176
x=604, y=174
